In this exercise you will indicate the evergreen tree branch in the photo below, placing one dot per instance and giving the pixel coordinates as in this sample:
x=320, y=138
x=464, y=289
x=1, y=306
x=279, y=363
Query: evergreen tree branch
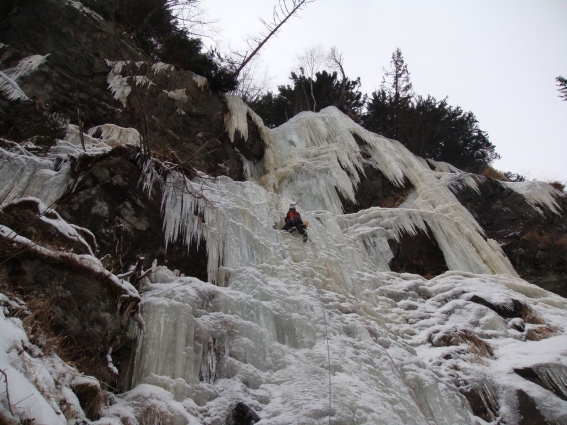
x=562, y=87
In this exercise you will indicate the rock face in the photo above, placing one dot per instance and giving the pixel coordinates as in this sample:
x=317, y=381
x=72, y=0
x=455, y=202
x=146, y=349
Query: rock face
x=181, y=115
x=535, y=241
x=125, y=220
x=51, y=267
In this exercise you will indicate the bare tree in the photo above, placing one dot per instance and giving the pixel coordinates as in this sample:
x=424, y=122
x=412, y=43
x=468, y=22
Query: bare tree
x=335, y=61
x=188, y=13
x=253, y=81
x=311, y=62
x=192, y=17
x=284, y=10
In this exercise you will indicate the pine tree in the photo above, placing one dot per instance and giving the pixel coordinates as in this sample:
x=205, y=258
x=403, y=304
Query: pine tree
x=396, y=83
x=562, y=87
x=323, y=91
x=427, y=127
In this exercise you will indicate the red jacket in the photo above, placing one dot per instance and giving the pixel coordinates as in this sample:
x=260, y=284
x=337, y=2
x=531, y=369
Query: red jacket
x=293, y=215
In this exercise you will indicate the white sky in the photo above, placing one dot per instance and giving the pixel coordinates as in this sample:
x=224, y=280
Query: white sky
x=496, y=58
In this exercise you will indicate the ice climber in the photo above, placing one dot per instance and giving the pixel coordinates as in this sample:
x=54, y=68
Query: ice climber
x=293, y=221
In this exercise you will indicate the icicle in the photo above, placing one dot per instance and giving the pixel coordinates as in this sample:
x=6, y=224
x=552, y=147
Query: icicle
x=26, y=66
x=201, y=81
x=160, y=68
x=119, y=85
x=537, y=193
x=11, y=89
x=460, y=181
x=236, y=117
x=9, y=77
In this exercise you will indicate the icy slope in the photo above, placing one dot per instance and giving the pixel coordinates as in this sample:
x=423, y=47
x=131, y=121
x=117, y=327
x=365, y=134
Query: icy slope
x=323, y=332
x=260, y=336
x=313, y=156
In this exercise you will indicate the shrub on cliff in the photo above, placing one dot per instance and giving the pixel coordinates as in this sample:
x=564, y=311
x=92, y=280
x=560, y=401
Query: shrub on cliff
x=157, y=28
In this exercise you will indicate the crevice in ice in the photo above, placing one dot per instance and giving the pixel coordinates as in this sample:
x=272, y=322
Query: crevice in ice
x=461, y=242
x=418, y=254
x=212, y=352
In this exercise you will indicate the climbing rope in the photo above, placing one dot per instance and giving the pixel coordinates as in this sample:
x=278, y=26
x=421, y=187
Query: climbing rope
x=371, y=332
x=368, y=328
x=328, y=356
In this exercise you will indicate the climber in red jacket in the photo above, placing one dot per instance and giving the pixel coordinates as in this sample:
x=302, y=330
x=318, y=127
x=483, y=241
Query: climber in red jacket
x=293, y=221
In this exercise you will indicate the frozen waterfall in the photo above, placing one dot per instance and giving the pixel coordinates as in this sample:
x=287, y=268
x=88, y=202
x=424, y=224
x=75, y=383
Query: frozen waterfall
x=259, y=334
x=322, y=332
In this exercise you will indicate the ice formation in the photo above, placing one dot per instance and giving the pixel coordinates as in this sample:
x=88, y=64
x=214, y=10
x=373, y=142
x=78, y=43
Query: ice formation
x=160, y=67
x=85, y=10
x=119, y=85
x=201, y=81
x=9, y=77
x=28, y=175
x=313, y=156
x=260, y=333
x=37, y=384
x=48, y=178
x=178, y=95
x=323, y=332
x=537, y=193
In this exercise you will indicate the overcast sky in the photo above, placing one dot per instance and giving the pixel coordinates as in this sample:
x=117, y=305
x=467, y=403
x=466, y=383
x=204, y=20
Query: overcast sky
x=496, y=58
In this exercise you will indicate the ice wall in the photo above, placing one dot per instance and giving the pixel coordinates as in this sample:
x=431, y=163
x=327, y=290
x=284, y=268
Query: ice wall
x=24, y=174
x=280, y=318
x=260, y=331
x=262, y=341
x=259, y=334
x=314, y=157
x=49, y=177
